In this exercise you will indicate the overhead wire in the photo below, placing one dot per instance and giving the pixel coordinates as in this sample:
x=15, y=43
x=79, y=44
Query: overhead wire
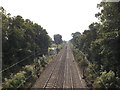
x=95, y=72
x=19, y=62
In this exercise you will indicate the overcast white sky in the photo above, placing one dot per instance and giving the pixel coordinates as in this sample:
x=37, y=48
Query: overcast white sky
x=56, y=16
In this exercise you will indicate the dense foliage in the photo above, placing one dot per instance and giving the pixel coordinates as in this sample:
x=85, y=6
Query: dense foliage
x=101, y=45
x=27, y=76
x=20, y=39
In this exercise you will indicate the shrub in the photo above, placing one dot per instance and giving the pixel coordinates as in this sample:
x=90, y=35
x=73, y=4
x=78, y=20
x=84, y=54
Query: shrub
x=107, y=80
x=15, y=80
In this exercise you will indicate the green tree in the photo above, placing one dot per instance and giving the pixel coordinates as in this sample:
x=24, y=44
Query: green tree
x=101, y=42
x=20, y=39
x=58, y=39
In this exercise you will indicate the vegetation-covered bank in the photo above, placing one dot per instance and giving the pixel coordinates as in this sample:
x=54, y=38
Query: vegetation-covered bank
x=27, y=76
x=22, y=42
x=101, y=47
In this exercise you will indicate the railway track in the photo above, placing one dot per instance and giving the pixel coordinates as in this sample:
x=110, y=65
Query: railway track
x=63, y=72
